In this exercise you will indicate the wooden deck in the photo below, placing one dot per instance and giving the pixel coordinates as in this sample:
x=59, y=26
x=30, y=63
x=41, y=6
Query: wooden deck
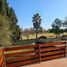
x=52, y=63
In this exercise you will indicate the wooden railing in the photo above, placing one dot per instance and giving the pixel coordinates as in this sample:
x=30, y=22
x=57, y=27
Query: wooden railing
x=2, y=64
x=23, y=55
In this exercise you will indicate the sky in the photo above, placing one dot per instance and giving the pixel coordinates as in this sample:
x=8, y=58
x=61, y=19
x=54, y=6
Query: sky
x=49, y=10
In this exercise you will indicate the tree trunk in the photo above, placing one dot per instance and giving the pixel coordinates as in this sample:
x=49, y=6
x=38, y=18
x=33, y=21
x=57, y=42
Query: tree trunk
x=56, y=35
x=27, y=39
x=36, y=35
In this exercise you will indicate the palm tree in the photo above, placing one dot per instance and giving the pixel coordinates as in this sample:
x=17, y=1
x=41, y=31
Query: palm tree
x=36, y=23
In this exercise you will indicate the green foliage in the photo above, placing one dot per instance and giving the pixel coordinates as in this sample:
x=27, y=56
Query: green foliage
x=36, y=22
x=5, y=32
x=8, y=26
x=56, y=27
x=14, y=27
x=65, y=23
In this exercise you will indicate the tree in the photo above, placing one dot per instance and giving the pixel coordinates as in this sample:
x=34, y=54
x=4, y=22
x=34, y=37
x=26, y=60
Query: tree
x=8, y=23
x=36, y=23
x=13, y=25
x=32, y=31
x=0, y=5
x=5, y=32
x=26, y=33
x=40, y=30
x=65, y=24
x=56, y=27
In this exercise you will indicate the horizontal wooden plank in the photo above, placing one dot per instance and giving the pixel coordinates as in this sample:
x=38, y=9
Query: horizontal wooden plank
x=52, y=53
x=32, y=46
x=20, y=47
x=33, y=51
x=33, y=61
x=52, y=57
x=52, y=44
x=51, y=49
x=18, y=64
x=22, y=58
x=34, y=56
x=19, y=53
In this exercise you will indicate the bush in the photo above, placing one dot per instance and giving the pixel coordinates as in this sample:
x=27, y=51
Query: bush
x=44, y=40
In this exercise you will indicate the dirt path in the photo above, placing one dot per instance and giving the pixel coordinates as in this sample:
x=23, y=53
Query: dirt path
x=53, y=63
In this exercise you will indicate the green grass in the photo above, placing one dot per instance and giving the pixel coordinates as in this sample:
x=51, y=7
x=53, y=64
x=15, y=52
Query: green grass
x=25, y=42
x=30, y=41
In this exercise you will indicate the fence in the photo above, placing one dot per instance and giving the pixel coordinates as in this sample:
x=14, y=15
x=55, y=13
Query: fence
x=23, y=55
x=2, y=58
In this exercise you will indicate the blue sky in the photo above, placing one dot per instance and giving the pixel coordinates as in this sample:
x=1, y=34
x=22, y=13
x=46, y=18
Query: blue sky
x=48, y=9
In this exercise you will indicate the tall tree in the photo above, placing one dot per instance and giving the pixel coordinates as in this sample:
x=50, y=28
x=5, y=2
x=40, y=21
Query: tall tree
x=11, y=21
x=56, y=26
x=65, y=24
x=5, y=32
x=36, y=23
x=26, y=33
x=14, y=27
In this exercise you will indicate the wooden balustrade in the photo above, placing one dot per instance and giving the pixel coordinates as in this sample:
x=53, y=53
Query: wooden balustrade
x=43, y=52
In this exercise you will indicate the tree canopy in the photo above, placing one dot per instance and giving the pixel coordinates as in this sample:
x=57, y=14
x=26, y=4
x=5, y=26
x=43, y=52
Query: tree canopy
x=56, y=27
x=8, y=20
x=36, y=23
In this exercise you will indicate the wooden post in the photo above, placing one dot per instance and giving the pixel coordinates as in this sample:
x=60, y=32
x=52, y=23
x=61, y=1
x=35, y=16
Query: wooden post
x=65, y=50
x=39, y=53
x=36, y=34
x=4, y=58
x=2, y=61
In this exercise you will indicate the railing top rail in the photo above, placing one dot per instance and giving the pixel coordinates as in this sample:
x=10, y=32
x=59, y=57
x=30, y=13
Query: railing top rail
x=32, y=46
x=52, y=44
x=20, y=47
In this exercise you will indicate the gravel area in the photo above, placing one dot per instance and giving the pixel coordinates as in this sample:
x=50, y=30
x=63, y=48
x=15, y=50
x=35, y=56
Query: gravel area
x=52, y=63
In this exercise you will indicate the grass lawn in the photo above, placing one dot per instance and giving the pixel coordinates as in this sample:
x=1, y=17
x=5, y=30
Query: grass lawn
x=32, y=38
x=30, y=41
x=25, y=42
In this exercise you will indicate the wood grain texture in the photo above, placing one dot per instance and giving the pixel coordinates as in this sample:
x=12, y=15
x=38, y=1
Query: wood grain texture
x=18, y=64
